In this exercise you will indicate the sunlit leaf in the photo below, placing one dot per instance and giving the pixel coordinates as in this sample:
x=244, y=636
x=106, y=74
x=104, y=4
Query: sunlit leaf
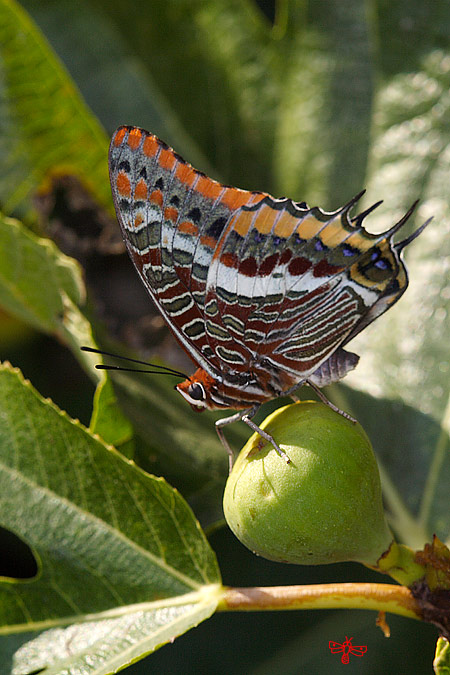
x=45, y=125
x=109, y=422
x=441, y=662
x=42, y=287
x=103, y=647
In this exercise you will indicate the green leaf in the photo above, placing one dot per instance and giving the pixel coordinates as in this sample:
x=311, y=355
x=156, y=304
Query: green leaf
x=42, y=287
x=264, y=96
x=408, y=154
x=223, y=51
x=103, y=647
x=441, y=663
x=108, y=420
x=106, y=535
x=119, y=89
x=324, y=110
x=47, y=128
x=9, y=644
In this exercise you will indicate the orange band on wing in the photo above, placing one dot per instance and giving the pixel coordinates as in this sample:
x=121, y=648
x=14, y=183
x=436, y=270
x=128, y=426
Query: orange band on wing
x=134, y=138
x=186, y=174
x=209, y=188
x=186, y=227
x=123, y=184
x=171, y=213
x=157, y=197
x=234, y=198
x=118, y=138
x=209, y=242
x=150, y=146
x=166, y=159
x=140, y=191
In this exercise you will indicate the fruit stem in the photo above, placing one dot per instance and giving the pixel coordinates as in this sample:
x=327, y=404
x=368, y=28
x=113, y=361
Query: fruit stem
x=399, y=562
x=379, y=597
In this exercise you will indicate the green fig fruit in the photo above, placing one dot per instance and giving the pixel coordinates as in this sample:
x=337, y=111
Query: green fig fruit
x=323, y=507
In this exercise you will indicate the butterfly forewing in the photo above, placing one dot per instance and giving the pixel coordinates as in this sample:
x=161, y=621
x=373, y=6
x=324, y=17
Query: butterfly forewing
x=171, y=217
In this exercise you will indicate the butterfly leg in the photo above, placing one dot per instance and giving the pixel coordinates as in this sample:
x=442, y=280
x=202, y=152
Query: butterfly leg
x=268, y=437
x=245, y=416
x=229, y=420
x=327, y=402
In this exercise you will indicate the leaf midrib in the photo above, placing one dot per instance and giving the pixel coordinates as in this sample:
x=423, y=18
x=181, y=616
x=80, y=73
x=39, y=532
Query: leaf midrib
x=118, y=534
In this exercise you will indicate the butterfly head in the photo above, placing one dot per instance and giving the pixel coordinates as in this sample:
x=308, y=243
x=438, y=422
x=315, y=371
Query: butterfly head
x=197, y=390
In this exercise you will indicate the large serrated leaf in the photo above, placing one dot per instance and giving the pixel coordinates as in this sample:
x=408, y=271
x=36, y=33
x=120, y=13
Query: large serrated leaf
x=106, y=535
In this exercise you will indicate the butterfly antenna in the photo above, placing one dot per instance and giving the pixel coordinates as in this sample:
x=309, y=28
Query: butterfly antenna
x=159, y=370
x=401, y=244
x=101, y=366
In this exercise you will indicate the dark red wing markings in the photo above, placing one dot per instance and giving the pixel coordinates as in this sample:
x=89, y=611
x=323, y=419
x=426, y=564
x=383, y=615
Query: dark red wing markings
x=324, y=269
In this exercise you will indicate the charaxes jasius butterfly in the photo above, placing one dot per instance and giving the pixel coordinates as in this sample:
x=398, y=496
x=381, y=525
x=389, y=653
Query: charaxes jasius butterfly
x=262, y=293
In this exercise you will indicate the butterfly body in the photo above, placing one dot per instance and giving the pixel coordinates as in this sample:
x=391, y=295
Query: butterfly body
x=262, y=293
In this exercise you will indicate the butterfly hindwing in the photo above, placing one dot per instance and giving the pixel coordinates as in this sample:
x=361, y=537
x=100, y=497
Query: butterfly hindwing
x=292, y=283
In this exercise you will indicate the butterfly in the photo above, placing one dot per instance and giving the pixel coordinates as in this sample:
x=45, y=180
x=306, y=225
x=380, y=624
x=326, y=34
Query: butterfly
x=346, y=648
x=262, y=293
